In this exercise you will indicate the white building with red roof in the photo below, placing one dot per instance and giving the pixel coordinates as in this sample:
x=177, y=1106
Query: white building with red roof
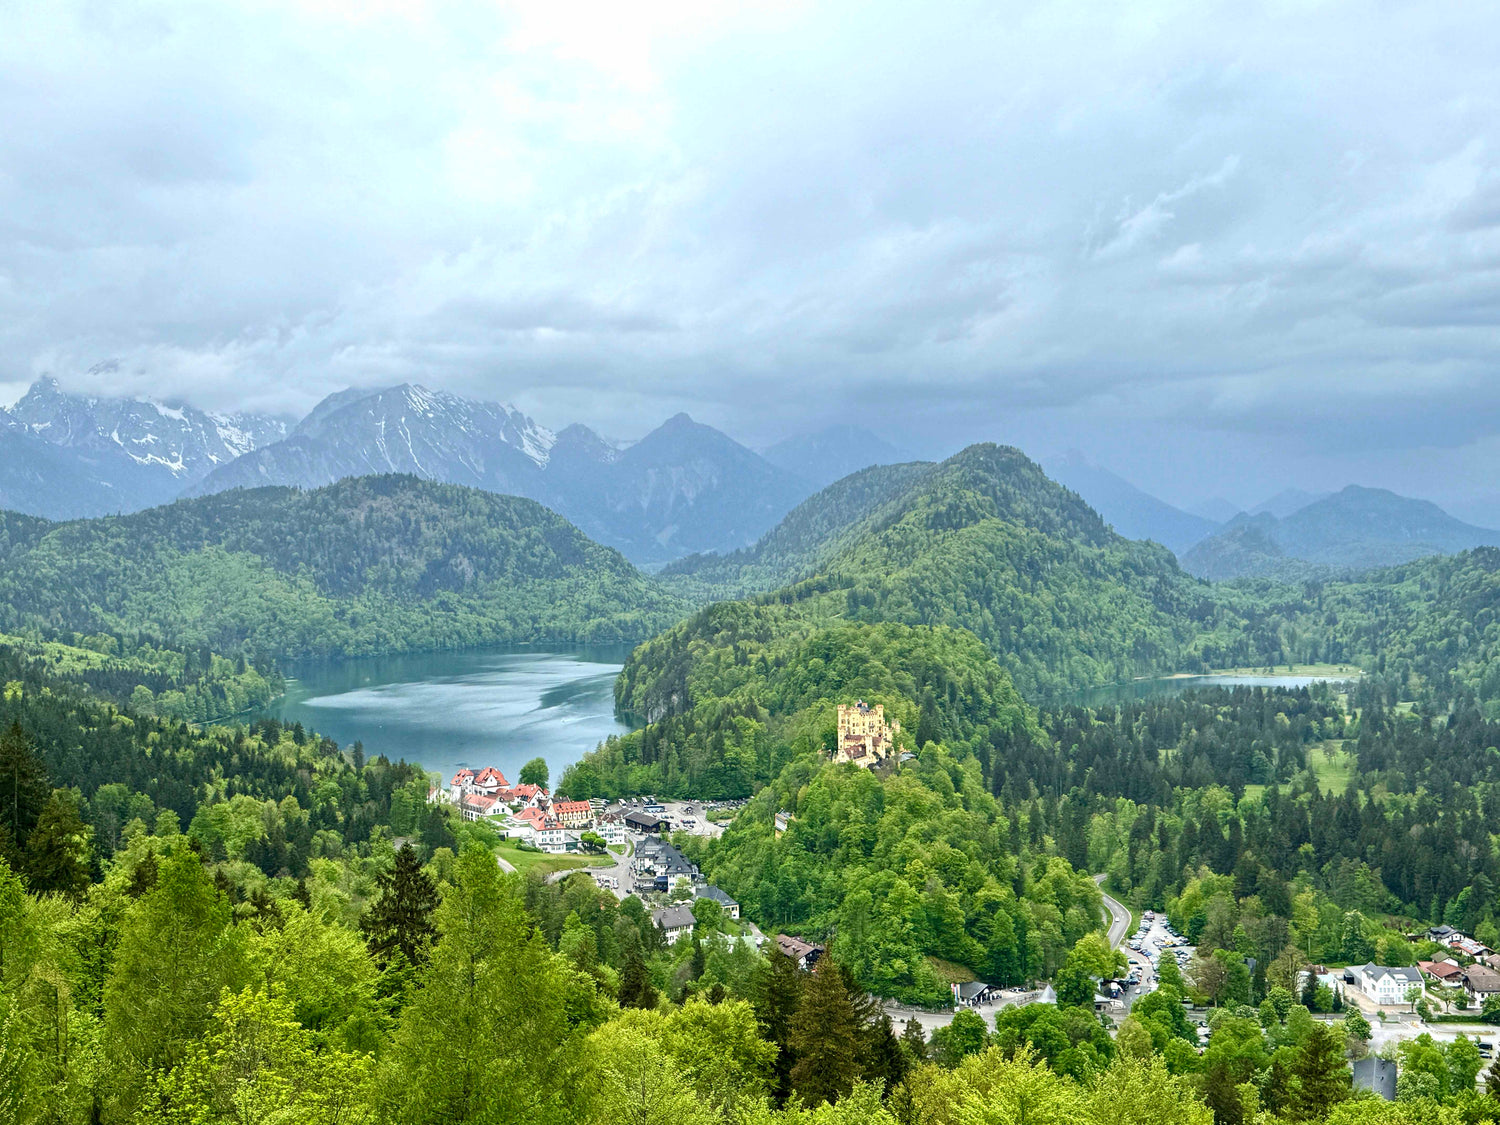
x=462, y=782
x=476, y=806
x=490, y=780
x=573, y=814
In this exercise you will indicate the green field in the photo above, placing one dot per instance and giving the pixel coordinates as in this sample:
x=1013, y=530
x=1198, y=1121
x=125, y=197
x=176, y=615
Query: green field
x=1331, y=765
x=526, y=860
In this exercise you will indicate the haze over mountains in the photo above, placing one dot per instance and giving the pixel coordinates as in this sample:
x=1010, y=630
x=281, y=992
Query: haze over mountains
x=684, y=490
x=1354, y=529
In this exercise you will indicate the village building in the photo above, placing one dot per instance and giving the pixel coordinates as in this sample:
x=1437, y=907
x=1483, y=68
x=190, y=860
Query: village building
x=972, y=994
x=864, y=737
x=462, y=782
x=730, y=907
x=783, y=822
x=648, y=823
x=1444, y=972
x=573, y=814
x=490, y=780
x=1387, y=984
x=804, y=953
x=1481, y=982
x=676, y=922
x=477, y=806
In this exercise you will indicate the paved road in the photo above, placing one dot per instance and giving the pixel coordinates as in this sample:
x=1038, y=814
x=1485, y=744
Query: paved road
x=1119, y=924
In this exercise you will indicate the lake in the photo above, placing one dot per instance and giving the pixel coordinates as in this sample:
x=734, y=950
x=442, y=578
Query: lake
x=1176, y=685
x=445, y=710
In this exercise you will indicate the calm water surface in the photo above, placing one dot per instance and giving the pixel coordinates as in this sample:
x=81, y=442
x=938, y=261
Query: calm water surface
x=452, y=709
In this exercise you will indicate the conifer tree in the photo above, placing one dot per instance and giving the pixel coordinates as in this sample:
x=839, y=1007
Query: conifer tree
x=884, y=1060
x=914, y=1041
x=401, y=918
x=825, y=1036
x=636, y=989
x=23, y=792
x=778, y=994
x=488, y=1026
x=57, y=853
x=1321, y=1075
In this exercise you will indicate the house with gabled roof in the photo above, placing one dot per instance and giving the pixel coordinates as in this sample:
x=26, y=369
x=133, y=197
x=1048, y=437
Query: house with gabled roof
x=490, y=780
x=805, y=953
x=729, y=906
x=1387, y=984
x=676, y=922
x=462, y=782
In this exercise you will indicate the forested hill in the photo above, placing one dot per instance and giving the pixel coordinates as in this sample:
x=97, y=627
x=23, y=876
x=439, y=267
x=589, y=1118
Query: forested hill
x=985, y=541
x=365, y=565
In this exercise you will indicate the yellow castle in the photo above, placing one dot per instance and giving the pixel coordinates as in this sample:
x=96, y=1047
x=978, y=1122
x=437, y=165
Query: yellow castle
x=865, y=738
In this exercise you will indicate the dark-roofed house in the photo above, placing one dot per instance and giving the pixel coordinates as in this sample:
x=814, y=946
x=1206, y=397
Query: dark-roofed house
x=675, y=921
x=1481, y=982
x=805, y=953
x=1377, y=1074
x=731, y=907
x=644, y=822
x=973, y=993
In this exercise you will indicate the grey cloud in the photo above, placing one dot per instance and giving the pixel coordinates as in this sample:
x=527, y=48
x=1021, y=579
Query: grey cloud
x=1035, y=221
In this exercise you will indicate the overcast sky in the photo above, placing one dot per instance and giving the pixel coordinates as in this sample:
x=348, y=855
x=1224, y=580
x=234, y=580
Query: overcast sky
x=1218, y=252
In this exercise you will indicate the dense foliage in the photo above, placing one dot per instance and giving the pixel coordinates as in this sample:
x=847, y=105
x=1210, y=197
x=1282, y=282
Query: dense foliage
x=916, y=865
x=366, y=565
x=729, y=711
x=196, y=685
x=283, y=960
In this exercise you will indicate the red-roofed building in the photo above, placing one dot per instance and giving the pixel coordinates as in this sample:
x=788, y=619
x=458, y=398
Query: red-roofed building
x=533, y=796
x=490, y=780
x=573, y=814
x=1446, y=972
x=462, y=782
x=474, y=806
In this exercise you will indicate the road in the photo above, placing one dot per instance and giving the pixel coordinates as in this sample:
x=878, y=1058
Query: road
x=1119, y=914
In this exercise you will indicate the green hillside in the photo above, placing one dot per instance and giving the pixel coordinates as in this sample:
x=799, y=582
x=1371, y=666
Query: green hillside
x=986, y=542
x=366, y=565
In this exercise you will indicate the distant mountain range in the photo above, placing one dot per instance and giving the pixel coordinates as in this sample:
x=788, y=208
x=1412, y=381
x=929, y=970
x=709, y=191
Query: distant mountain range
x=683, y=488
x=88, y=456
x=831, y=454
x=1135, y=514
x=1355, y=529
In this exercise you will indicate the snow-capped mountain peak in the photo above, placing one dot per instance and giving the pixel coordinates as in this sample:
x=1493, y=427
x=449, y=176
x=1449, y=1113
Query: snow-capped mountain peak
x=179, y=440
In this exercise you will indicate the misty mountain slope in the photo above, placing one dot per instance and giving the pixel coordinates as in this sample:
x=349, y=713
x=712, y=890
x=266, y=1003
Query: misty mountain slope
x=405, y=429
x=1134, y=513
x=683, y=488
x=832, y=453
x=987, y=542
x=1287, y=501
x=367, y=565
x=810, y=534
x=1355, y=529
x=129, y=452
x=42, y=479
x=1247, y=548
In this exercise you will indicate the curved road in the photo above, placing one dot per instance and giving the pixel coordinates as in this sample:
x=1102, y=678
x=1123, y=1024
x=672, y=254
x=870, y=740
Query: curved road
x=1119, y=917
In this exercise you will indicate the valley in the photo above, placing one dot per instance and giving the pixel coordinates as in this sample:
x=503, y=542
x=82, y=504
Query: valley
x=1291, y=772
